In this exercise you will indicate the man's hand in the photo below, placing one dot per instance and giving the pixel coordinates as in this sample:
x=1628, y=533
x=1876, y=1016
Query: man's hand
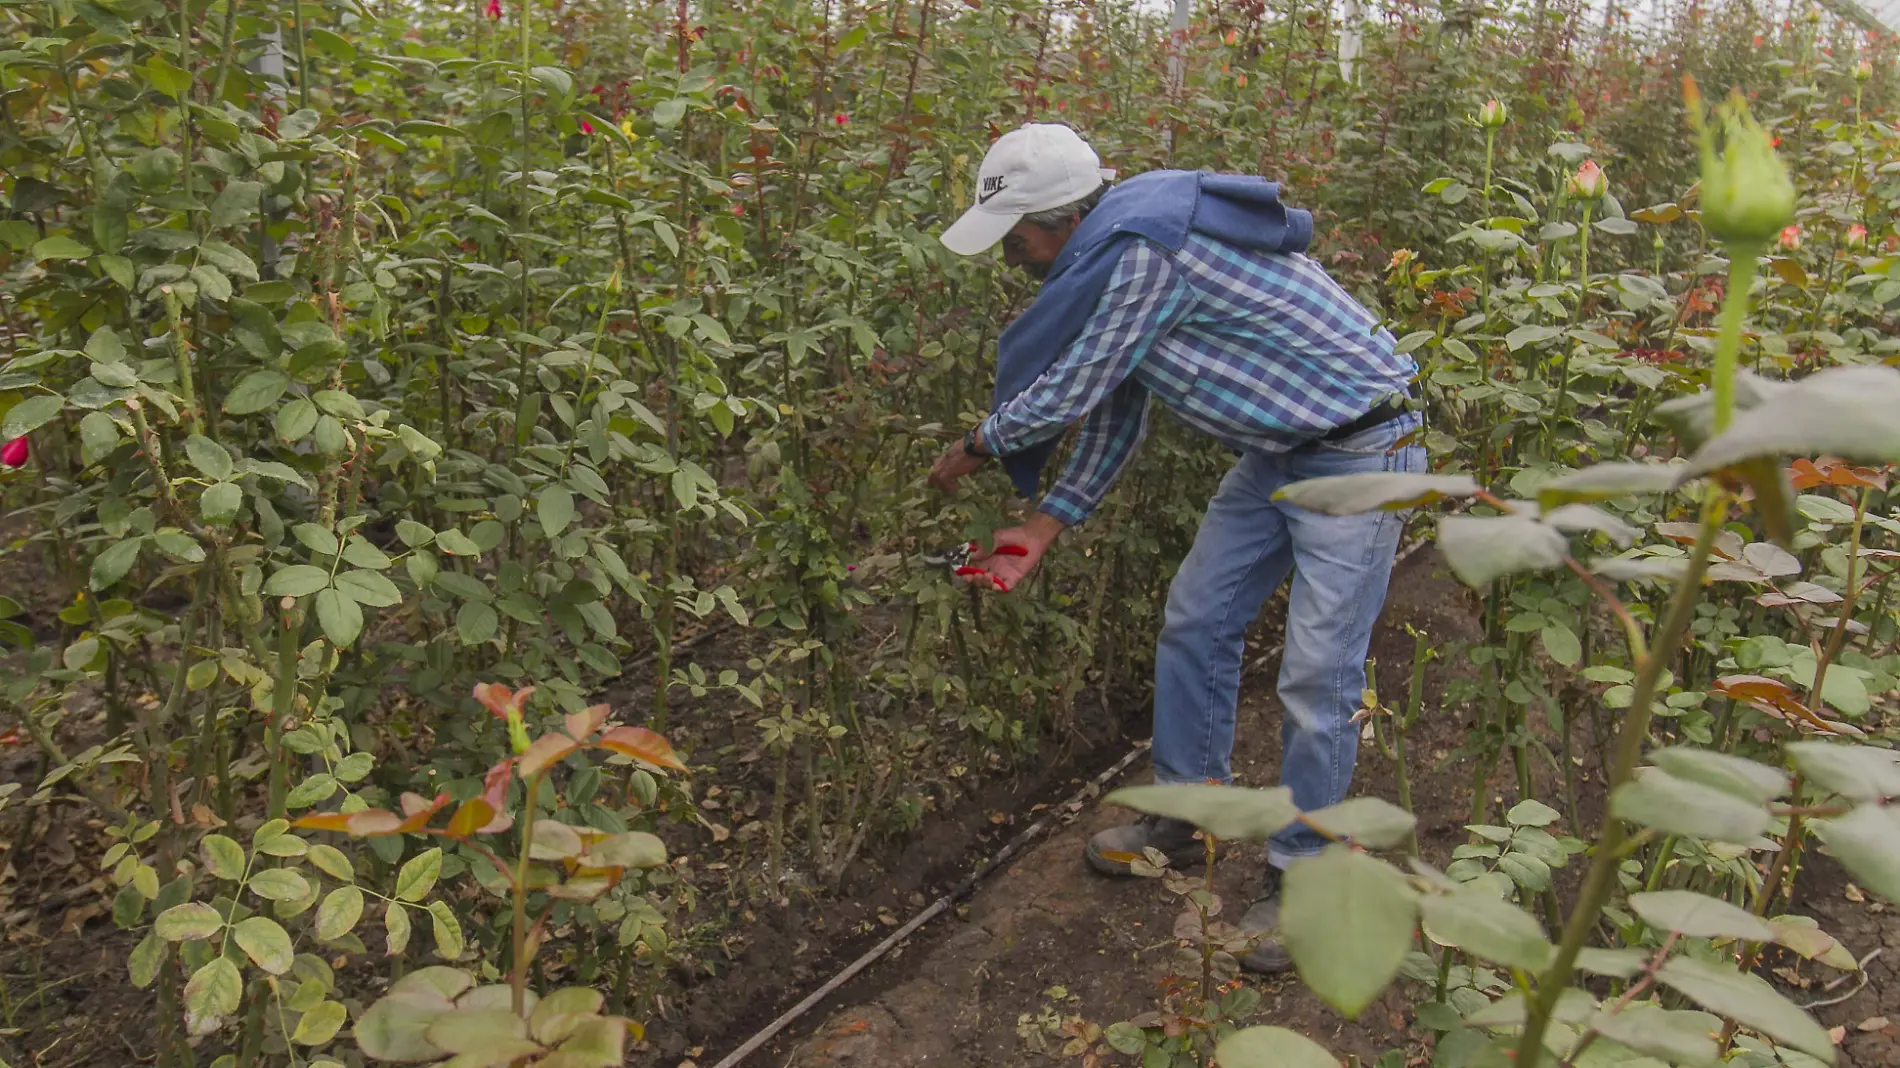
x=1005, y=572
x=952, y=466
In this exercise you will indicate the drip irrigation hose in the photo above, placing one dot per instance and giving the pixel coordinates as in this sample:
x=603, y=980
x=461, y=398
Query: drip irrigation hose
x=968, y=885
x=936, y=908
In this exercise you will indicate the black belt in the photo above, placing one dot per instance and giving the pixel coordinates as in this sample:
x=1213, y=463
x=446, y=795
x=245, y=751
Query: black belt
x=1383, y=412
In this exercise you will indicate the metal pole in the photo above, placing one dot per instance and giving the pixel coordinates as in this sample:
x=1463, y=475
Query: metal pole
x=1177, y=58
x=269, y=65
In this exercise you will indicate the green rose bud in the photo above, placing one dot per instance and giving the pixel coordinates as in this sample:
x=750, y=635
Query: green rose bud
x=1747, y=197
x=1492, y=115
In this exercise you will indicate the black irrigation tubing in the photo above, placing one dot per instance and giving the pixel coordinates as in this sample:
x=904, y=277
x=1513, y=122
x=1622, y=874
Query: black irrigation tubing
x=968, y=886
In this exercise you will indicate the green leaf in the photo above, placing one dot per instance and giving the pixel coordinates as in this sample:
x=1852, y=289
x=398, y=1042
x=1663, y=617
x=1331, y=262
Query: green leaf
x=333, y=862
x=448, y=931
x=214, y=989
x=295, y=420
x=341, y=617
x=1272, y=1047
x=555, y=80
x=394, y=1027
x=1347, y=921
x=219, y=504
x=187, y=921
x=320, y=1024
x=1229, y=812
x=668, y=113
x=1561, y=644
x=298, y=124
x=111, y=565
x=456, y=543
x=1531, y=812
x=1530, y=335
x=361, y=553
x=59, y=248
x=1738, y=777
x=418, y=876
x=256, y=391
x=1368, y=821
x=119, y=269
x=279, y=884
x=1374, y=491
x=1677, y=806
x=179, y=546
x=208, y=457
x=475, y=623
x=29, y=415
x=1681, y=1037
x=169, y=79
x=223, y=857
x=1486, y=927
x=1481, y=548
x=1748, y=998
x=1605, y=482
x=317, y=538
x=556, y=509
x=1866, y=842
x=369, y=588
x=355, y=767
x=339, y=912
x=396, y=926
x=1840, y=411
x=1856, y=772
x=1698, y=916
x=297, y=580
x=264, y=942
x=235, y=204
x=142, y=966
x=413, y=534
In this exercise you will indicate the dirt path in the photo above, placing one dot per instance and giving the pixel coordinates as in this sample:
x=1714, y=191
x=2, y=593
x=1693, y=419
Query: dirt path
x=1046, y=939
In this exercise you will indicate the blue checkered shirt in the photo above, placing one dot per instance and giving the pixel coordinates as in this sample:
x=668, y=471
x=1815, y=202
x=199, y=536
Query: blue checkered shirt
x=1263, y=351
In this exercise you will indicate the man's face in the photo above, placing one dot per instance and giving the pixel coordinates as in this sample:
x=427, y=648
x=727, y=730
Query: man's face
x=1033, y=248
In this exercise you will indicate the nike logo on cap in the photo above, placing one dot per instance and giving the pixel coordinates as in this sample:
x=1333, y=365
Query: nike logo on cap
x=991, y=186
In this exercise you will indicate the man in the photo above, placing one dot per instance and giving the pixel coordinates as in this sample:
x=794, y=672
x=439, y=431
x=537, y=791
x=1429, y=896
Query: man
x=1192, y=288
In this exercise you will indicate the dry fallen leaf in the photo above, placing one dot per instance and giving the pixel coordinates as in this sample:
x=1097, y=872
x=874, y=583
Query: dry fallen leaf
x=1874, y=1023
x=1854, y=894
x=1837, y=1035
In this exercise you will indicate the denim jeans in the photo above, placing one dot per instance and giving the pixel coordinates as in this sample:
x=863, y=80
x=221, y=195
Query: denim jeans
x=1246, y=545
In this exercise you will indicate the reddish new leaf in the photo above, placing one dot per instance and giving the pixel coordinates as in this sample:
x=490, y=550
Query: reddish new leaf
x=644, y=745
x=545, y=751
x=500, y=700
x=420, y=811
x=585, y=722
x=472, y=816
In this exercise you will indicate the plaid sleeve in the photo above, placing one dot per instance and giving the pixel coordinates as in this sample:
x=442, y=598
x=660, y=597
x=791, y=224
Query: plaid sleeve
x=1144, y=299
x=1103, y=448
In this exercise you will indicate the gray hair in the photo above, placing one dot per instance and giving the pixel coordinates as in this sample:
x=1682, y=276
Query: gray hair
x=1055, y=217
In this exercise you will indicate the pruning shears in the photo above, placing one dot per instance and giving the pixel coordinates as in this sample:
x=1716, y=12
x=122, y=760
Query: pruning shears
x=958, y=560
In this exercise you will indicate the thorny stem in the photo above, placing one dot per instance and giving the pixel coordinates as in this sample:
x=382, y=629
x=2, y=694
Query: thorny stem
x=519, y=892
x=1851, y=593
x=1613, y=835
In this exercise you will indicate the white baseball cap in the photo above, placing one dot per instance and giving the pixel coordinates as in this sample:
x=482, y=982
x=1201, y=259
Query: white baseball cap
x=1033, y=168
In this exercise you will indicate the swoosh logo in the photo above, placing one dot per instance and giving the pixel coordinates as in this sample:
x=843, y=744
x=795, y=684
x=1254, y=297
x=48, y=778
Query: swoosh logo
x=985, y=198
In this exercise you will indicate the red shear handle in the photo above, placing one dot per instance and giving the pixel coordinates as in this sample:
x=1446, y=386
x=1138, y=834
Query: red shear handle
x=1001, y=550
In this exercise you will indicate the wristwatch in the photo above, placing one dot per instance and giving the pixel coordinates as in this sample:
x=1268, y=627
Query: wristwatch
x=970, y=446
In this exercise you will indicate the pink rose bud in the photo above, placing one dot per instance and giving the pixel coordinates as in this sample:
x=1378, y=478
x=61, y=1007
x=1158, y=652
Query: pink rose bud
x=14, y=453
x=1791, y=237
x=1589, y=182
